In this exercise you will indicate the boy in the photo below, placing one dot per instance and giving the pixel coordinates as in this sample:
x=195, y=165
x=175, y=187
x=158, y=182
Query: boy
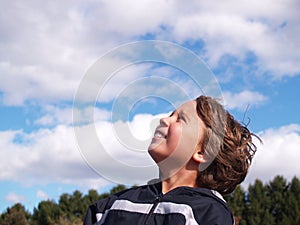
x=202, y=153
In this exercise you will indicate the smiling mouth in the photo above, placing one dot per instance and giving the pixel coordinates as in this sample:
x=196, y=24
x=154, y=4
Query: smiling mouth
x=159, y=134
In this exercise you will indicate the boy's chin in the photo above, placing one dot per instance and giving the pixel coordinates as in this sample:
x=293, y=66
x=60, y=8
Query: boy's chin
x=152, y=147
x=154, y=155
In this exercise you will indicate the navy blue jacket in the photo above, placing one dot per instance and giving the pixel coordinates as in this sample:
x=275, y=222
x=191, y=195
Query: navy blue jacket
x=147, y=205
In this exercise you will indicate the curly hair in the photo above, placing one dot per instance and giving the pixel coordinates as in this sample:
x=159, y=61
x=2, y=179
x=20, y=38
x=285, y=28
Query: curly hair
x=228, y=146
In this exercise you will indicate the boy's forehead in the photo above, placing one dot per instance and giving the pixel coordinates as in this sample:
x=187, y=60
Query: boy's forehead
x=188, y=108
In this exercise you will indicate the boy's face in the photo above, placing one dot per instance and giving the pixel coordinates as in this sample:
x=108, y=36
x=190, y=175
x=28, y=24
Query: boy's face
x=178, y=136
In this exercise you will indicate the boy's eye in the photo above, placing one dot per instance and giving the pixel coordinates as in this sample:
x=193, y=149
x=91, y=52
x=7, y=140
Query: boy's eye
x=180, y=117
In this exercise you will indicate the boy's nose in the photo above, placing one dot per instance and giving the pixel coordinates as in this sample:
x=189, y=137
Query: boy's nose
x=165, y=121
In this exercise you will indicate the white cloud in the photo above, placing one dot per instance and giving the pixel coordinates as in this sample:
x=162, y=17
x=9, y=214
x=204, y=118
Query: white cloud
x=21, y=83
x=266, y=29
x=278, y=155
x=139, y=18
x=14, y=198
x=42, y=195
x=47, y=48
x=54, y=115
x=243, y=99
x=43, y=156
x=52, y=155
x=39, y=58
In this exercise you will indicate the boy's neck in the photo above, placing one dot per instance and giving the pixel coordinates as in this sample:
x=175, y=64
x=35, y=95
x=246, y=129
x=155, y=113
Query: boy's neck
x=181, y=178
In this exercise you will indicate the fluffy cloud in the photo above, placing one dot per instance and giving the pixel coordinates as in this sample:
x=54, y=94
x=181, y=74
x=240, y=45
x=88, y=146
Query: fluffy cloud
x=48, y=47
x=243, y=99
x=43, y=156
x=42, y=195
x=14, y=198
x=53, y=115
x=52, y=155
x=268, y=30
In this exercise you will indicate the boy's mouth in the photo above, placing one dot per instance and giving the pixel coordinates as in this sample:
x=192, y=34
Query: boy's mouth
x=159, y=134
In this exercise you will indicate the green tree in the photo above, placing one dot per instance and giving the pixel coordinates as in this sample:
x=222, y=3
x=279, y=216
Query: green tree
x=258, y=205
x=47, y=213
x=72, y=206
x=295, y=189
x=90, y=198
x=117, y=189
x=236, y=202
x=64, y=203
x=292, y=203
x=278, y=193
x=78, y=207
x=16, y=215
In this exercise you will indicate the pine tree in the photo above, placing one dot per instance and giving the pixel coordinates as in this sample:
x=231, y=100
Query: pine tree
x=47, y=213
x=72, y=206
x=278, y=193
x=90, y=198
x=292, y=206
x=16, y=215
x=117, y=189
x=236, y=202
x=258, y=205
x=295, y=189
x=78, y=207
x=64, y=203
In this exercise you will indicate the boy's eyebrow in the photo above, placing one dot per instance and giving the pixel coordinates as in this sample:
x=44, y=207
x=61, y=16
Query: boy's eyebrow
x=186, y=117
x=172, y=113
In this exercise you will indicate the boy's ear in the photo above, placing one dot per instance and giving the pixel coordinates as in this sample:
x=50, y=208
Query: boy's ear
x=199, y=157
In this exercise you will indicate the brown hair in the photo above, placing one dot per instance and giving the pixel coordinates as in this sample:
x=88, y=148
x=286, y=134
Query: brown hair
x=227, y=143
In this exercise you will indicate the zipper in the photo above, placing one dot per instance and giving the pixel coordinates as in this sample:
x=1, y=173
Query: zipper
x=155, y=203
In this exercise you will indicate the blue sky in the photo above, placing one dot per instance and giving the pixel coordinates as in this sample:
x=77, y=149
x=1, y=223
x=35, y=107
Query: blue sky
x=47, y=48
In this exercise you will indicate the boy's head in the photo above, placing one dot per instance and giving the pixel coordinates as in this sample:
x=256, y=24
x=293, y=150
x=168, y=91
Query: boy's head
x=202, y=136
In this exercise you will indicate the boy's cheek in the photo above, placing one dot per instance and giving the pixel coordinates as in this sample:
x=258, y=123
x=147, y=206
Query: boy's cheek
x=190, y=137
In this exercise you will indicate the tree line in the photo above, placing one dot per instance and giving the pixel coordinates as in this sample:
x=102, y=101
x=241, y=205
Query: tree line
x=273, y=203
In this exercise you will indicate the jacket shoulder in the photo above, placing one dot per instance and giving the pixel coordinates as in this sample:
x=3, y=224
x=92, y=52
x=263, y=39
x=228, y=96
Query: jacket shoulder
x=211, y=208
